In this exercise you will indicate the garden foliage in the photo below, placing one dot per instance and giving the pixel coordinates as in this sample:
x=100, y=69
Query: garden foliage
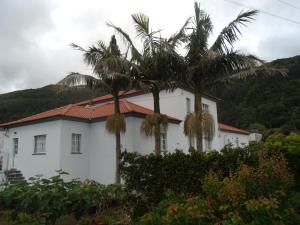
x=250, y=195
x=46, y=200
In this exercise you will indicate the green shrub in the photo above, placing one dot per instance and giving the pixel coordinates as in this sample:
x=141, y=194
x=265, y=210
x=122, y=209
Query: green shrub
x=233, y=199
x=50, y=199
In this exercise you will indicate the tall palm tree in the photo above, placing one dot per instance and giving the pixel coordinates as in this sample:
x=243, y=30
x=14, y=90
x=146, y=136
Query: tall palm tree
x=111, y=74
x=208, y=65
x=158, y=66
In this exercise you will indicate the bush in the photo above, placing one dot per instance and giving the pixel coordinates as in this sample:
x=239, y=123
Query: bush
x=49, y=199
x=235, y=199
x=151, y=176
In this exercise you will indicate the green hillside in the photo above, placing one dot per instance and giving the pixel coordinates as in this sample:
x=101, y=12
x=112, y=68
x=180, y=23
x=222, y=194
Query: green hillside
x=271, y=101
x=23, y=103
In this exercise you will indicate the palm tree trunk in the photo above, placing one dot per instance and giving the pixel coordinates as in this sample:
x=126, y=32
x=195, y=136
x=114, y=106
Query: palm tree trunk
x=118, y=142
x=198, y=111
x=155, y=93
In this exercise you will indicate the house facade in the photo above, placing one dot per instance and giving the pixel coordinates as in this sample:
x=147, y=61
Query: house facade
x=74, y=138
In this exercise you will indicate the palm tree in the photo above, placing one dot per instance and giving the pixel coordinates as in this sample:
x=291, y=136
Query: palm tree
x=208, y=65
x=111, y=74
x=158, y=66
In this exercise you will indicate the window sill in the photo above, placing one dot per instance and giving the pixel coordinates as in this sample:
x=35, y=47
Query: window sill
x=76, y=153
x=39, y=154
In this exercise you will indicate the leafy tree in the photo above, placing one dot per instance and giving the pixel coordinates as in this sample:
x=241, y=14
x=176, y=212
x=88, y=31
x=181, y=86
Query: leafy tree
x=111, y=74
x=158, y=67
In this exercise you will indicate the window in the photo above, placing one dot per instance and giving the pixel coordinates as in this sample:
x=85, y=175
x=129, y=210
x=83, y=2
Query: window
x=163, y=138
x=188, y=105
x=237, y=142
x=15, y=145
x=1, y=163
x=40, y=144
x=207, y=144
x=76, y=140
x=205, y=107
x=191, y=141
x=188, y=110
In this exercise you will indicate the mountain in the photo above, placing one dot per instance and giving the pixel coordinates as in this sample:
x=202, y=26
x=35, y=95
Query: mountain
x=270, y=101
x=18, y=104
x=273, y=102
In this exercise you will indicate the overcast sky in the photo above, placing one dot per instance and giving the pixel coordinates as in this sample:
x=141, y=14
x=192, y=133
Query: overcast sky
x=35, y=34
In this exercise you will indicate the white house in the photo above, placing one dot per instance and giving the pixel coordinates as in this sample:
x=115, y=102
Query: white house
x=73, y=137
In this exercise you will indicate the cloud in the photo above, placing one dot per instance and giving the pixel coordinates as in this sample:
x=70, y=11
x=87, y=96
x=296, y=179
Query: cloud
x=35, y=35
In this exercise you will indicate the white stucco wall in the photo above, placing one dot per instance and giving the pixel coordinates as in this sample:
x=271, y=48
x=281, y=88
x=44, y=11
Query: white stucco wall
x=174, y=104
x=77, y=165
x=97, y=158
x=235, y=139
x=25, y=160
x=2, y=136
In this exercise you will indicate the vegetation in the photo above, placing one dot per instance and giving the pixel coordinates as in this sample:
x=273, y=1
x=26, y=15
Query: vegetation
x=19, y=104
x=250, y=195
x=111, y=75
x=256, y=184
x=273, y=102
x=157, y=67
x=270, y=101
x=44, y=201
x=210, y=65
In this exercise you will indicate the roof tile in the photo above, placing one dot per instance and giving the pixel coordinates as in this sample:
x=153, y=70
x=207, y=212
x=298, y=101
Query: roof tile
x=87, y=113
x=225, y=127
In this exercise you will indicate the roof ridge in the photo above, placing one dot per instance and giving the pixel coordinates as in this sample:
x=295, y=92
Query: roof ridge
x=67, y=109
x=92, y=110
x=126, y=103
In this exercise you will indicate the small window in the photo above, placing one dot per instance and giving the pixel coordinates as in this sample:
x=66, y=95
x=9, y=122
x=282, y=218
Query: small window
x=163, y=138
x=207, y=144
x=76, y=142
x=191, y=141
x=1, y=163
x=40, y=144
x=16, y=145
x=205, y=107
x=188, y=105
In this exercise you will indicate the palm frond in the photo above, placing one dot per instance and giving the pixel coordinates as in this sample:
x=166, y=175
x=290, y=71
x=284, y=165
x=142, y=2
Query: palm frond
x=141, y=24
x=180, y=36
x=116, y=124
x=193, y=123
x=77, y=47
x=74, y=79
x=231, y=33
x=198, y=39
x=127, y=40
x=265, y=70
x=151, y=122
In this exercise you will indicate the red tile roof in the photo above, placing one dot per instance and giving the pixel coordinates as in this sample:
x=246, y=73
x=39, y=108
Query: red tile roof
x=87, y=113
x=231, y=129
x=109, y=97
x=129, y=93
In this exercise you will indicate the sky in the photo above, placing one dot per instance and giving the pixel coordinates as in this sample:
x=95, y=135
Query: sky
x=35, y=34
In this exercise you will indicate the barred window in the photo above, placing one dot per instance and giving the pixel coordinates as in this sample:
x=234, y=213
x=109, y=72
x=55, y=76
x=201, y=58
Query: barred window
x=76, y=142
x=15, y=145
x=163, y=138
x=40, y=144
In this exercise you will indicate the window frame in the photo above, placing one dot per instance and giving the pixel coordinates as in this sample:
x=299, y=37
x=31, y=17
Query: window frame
x=163, y=138
x=1, y=163
x=15, y=146
x=205, y=107
x=75, y=142
x=188, y=105
x=208, y=144
x=35, y=147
